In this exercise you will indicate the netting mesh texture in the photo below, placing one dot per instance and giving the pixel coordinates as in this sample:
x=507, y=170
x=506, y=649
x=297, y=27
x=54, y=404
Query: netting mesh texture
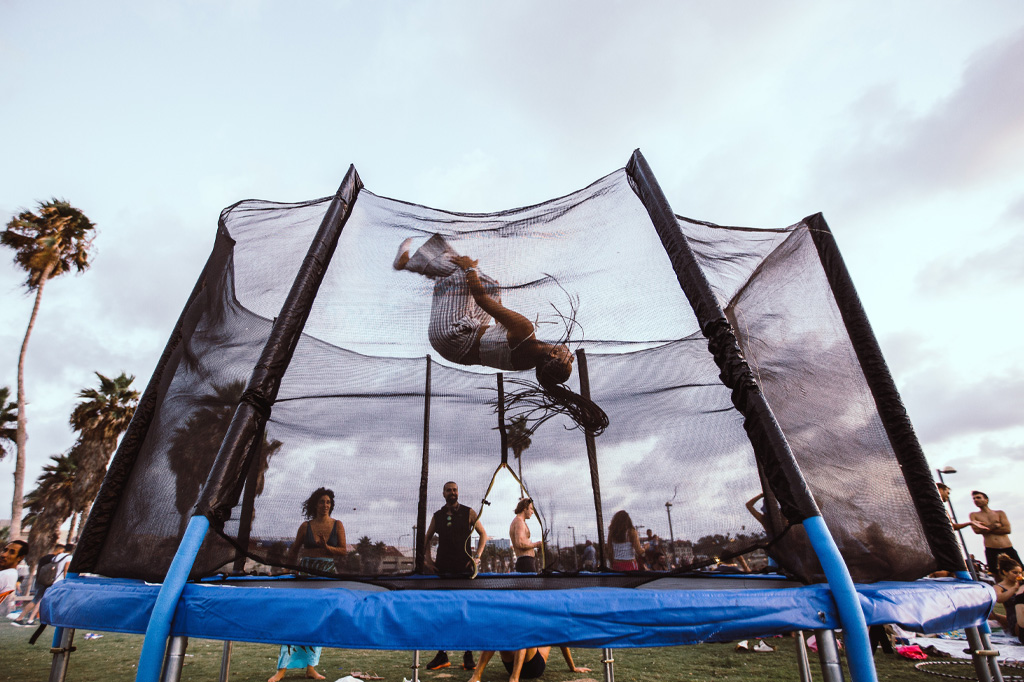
x=350, y=412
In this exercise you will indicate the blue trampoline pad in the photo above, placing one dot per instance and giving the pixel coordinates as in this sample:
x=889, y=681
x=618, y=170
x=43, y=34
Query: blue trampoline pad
x=351, y=615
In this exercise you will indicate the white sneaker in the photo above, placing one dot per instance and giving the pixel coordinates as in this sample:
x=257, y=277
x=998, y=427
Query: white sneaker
x=402, y=257
x=762, y=647
x=743, y=646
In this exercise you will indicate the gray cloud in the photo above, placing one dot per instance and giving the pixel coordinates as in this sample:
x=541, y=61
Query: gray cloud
x=999, y=266
x=964, y=139
x=942, y=408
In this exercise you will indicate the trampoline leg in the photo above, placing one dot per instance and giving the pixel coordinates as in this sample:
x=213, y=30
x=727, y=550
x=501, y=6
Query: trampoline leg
x=61, y=650
x=979, y=654
x=609, y=665
x=801, y=657
x=416, y=666
x=993, y=660
x=828, y=653
x=225, y=662
x=175, y=659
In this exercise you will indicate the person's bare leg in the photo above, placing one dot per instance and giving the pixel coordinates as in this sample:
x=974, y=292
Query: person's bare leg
x=485, y=658
x=278, y=676
x=312, y=674
x=522, y=656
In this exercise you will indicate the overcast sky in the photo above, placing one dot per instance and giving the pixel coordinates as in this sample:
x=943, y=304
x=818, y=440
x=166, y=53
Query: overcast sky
x=902, y=122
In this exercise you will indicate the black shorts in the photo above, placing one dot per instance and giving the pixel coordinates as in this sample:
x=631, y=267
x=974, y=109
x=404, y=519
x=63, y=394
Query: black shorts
x=526, y=564
x=532, y=668
x=992, y=557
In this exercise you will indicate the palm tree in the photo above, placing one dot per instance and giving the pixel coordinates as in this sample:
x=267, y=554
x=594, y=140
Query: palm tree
x=197, y=441
x=49, y=505
x=8, y=421
x=46, y=244
x=100, y=417
x=517, y=435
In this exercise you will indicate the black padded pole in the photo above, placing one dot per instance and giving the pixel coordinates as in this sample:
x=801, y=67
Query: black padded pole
x=104, y=508
x=501, y=419
x=249, y=496
x=224, y=483
x=902, y=437
x=421, y=509
x=595, y=478
x=766, y=437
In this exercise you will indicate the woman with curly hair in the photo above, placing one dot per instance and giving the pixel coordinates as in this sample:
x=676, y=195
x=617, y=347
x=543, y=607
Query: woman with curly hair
x=624, y=543
x=320, y=540
x=470, y=326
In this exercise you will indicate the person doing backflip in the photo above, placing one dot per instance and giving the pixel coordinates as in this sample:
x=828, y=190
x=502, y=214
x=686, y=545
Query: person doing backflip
x=470, y=326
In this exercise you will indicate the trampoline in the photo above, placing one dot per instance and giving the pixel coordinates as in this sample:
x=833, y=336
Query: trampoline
x=747, y=403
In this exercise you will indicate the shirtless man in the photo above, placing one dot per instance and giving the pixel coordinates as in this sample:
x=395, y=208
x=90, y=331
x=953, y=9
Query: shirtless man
x=993, y=525
x=526, y=551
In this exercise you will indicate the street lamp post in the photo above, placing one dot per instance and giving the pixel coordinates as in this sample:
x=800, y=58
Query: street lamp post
x=959, y=532
x=671, y=535
x=575, y=563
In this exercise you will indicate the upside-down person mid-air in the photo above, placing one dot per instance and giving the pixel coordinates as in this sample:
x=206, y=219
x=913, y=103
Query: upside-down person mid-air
x=470, y=326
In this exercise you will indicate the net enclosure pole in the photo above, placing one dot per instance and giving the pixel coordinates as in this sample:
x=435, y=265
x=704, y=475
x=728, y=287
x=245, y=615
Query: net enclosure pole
x=421, y=508
x=595, y=478
x=771, y=448
x=893, y=414
x=227, y=475
x=159, y=628
x=224, y=482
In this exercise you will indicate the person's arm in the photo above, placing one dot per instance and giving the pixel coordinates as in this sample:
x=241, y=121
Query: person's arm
x=518, y=326
x=331, y=549
x=637, y=549
x=758, y=516
x=293, y=551
x=1000, y=527
x=567, y=655
x=475, y=522
x=1006, y=594
x=425, y=550
x=977, y=526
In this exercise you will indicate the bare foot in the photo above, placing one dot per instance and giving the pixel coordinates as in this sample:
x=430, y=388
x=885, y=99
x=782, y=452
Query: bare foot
x=403, y=255
x=278, y=676
x=312, y=674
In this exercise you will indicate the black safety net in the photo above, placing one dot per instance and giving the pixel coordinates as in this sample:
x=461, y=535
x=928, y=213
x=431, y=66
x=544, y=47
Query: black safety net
x=368, y=408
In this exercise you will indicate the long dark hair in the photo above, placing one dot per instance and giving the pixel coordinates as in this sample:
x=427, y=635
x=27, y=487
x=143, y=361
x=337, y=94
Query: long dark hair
x=618, y=529
x=309, y=506
x=540, y=401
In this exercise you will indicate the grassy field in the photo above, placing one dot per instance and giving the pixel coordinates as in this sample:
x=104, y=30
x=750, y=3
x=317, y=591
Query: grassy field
x=112, y=658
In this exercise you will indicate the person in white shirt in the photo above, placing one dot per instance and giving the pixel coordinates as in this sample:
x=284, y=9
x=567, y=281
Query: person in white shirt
x=10, y=557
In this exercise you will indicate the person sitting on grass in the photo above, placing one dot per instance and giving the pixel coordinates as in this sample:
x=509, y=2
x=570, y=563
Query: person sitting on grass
x=1008, y=587
x=527, y=664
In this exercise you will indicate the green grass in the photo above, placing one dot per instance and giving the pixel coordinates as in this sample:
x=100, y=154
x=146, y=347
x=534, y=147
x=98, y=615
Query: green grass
x=113, y=657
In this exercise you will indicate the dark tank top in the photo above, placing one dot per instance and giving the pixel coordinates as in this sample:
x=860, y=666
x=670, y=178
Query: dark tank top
x=309, y=542
x=452, y=540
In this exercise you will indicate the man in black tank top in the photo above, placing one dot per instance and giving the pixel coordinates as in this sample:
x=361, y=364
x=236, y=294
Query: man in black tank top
x=454, y=524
